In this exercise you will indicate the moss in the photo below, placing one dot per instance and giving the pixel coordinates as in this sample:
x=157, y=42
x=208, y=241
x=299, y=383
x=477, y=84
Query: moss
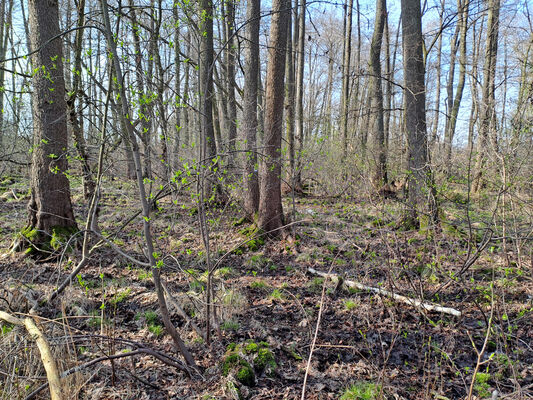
x=61, y=236
x=251, y=347
x=246, y=375
x=264, y=360
x=30, y=233
x=229, y=362
x=231, y=346
x=243, y=371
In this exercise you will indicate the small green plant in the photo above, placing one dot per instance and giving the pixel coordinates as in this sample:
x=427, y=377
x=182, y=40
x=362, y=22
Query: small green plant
x=157, y=330
x=6, y=328
x=120, y=296
x=258, y=284
x=151, y=317
x=230, y=325
x=361, y=391
x=481, y=385
x=276, y=295
x=223, y=272
x=144, y=275
x=316, y=284
x=258, y=261
x=350, y=304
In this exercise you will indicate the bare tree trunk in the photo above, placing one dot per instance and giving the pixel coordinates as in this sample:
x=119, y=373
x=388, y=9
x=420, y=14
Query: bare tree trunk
x=50, y=209
x=299, y=132
x=435, y=130
x=422, y=206
x=178, y=95
x=488, y=110
x=453, y=111
x=130, y=136
x=345, y=96
x=75, y=114
x=206, y=79
x=380, y=155
x=144, y=112
x=290, y=99
x=251, y=81
x=270, y=207
x=3, y=48
x=230, y=80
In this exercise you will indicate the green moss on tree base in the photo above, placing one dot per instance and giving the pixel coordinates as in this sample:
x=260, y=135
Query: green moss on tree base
x=35, y=242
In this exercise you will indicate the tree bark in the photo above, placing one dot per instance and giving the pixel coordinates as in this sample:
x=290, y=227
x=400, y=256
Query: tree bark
x=75, y=114
x=345, y=96
x=453, y=111
x=50, y=209
x=270, y=207
x=488, y=95
x=299, y=117
x=380, y=155
x=421, y=199
x=144, y=111
x=251, y=81
x=230, y=81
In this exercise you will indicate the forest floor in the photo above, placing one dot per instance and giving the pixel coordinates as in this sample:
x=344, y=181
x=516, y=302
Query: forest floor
x=366, y=344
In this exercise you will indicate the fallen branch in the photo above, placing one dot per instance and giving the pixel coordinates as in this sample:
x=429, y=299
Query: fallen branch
x=403, y=299
x=88, y=364
x=49, y=363
x=173, y=302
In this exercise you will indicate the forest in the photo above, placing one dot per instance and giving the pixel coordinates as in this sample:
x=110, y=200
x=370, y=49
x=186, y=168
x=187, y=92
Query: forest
x=288, y=199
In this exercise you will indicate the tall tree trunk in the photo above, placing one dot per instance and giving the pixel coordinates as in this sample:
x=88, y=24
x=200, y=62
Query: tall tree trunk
x=346, y=57
x=299, y=132
x=206, y=79
x=230, y=80
x=453, y=106
x=178, y=95
x=3, y=48
x=290, y=99
x=75, y=114
x=488, y=99
x=380, y=155
x=251, y=81
x=144, y=111
x=270, y=207
x=422, y=207
x=130, y=136
x=50, y=209
x=438, y=68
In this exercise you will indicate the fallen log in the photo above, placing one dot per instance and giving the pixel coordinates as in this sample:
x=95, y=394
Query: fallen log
x=398, y=297
x=49, y=363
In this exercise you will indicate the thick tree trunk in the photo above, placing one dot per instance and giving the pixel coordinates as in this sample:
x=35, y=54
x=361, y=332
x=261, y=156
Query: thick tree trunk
x=251, y=81
x=270, y=208
x=50, y=209
x=206, y=79
x=422, y=204
x=380, y=155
